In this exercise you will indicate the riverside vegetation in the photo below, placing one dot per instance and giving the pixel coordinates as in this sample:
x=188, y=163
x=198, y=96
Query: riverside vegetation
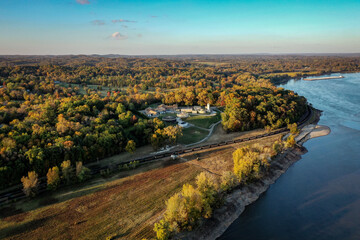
x=186, y=209
x=118, y=208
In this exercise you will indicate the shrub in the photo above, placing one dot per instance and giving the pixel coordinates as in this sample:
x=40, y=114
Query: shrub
x=133, y=164
x=30, y=184
x=248, y=163
x=82, y=173
x=277, y=147
x=105, y=172
x=130, y=146
x=162, y=229
x=290, y=141
x=228, y=181
x=111, y=237
x=123, y=167
x=293, y=128
x=67, y=171
x=185, y=209
x=53, y=178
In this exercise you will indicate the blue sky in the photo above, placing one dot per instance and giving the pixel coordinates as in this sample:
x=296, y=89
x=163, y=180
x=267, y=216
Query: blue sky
x=178, y=27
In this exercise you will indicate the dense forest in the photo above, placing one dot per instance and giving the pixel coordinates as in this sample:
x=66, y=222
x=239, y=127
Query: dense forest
x=85, y=108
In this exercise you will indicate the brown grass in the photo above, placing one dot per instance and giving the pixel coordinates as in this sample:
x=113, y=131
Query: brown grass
x=126, y=208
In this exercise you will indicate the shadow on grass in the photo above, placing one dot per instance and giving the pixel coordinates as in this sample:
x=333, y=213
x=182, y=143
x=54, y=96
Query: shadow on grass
x=9, y=211
x=205, y=153
x=47, y=201
x=22, y=228
x=19, y=210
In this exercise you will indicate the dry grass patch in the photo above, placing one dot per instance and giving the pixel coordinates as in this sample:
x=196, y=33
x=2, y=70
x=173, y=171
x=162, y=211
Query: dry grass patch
x=126, y=208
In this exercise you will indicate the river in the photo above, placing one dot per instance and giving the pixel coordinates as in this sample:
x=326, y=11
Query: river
x=319, y=196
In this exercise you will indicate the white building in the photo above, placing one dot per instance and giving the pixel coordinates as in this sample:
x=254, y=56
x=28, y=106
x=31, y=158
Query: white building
x=208, y=109
x=183, y=124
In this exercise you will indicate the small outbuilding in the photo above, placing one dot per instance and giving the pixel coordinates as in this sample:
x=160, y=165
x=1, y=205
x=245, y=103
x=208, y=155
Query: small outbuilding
x=169, y=119
x=183, y=124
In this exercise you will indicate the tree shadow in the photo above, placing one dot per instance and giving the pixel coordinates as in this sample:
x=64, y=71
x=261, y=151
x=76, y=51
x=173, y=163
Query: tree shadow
x=22, y=228
x=9, y=211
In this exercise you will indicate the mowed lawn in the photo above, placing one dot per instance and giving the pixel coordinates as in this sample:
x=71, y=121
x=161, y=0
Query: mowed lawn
x=203, y=121
x=192, y=135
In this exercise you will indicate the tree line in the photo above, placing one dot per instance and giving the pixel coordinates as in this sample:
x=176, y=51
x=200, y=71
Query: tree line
x=50, y=114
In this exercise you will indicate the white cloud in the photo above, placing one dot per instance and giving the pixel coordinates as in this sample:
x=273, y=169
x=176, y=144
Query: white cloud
x=98, y=22
x=118, y=36
x=123, y=21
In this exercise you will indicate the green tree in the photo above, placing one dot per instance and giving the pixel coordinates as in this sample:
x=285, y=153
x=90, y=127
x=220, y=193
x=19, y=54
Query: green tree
x=82, y=173
x=157, y=139
x=130, y=146
x=36, y=158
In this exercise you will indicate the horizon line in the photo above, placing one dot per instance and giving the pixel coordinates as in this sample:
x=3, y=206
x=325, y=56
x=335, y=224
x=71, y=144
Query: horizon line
x=185, y=54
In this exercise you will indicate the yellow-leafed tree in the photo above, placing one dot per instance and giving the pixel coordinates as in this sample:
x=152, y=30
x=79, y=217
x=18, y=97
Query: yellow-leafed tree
x=30, y=184
x=53, y=178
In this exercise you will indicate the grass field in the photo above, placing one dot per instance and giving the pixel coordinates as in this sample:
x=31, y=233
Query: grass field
x=192, y=135
x=203, y=121
x=167, y=114
x=124, y=208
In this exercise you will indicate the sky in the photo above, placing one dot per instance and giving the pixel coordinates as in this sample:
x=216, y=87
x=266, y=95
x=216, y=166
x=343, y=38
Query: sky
x=158, y=27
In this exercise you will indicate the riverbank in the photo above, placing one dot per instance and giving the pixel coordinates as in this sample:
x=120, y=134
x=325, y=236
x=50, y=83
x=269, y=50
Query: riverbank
x=236, y=202
x=323, y=78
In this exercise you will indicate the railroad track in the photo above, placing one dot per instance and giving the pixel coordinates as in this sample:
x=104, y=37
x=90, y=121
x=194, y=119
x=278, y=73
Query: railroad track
x=17, y=194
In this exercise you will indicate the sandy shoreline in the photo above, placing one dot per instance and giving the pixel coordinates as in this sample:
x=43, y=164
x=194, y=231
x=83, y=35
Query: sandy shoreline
x=320, y=131
x=236, y=202
x=323, y=78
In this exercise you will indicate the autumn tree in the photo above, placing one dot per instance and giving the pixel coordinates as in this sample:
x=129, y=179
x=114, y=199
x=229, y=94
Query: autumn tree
x=290, y=141
x=53, y=178
x=208, y=190
x=30, y=184
x=228, y=181
x=277, y=147
x=130, y=146
x=162, y=230
x=67, y=171
x=293, y=128
x=248, y=163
